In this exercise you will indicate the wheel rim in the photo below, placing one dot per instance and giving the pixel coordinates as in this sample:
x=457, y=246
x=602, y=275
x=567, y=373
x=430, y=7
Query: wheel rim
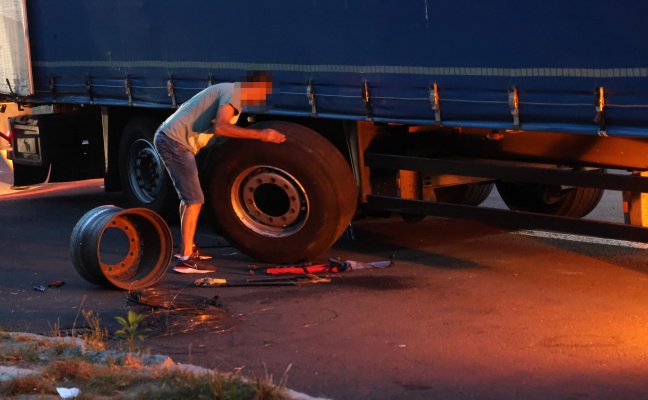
x=126, y=249
x=145, y=171
x=126, y=268
x=270, y=201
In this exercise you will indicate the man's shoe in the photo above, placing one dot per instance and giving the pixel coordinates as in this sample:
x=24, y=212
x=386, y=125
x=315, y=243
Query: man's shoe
x=198, y=252
x=193, y=265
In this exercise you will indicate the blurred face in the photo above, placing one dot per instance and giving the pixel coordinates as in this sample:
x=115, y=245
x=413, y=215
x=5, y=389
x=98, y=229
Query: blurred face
x=253, y=95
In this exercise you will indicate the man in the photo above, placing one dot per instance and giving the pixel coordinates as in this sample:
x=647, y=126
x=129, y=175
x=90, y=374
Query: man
x=213, y=111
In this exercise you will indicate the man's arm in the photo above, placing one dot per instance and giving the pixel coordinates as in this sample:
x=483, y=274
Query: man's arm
x=223, y=127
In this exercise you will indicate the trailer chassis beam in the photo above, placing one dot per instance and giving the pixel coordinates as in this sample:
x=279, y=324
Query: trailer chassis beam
x=511, y=219
x=508, y=171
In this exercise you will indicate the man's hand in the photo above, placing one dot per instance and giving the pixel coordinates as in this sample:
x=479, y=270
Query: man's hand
x=223, y=127
x=272, y=136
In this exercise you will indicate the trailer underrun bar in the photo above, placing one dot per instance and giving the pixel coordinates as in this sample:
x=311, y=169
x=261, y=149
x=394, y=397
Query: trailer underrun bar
x=512, y=219
x=508, y=172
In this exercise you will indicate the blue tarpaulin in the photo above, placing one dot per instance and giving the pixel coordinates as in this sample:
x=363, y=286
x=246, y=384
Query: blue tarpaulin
x=501, y=64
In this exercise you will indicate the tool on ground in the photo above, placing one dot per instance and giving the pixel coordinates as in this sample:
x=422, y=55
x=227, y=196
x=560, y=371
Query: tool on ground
x=311, y=269
x=293, y=280
x=264, y=267
x=334, y=266
x=302, y=278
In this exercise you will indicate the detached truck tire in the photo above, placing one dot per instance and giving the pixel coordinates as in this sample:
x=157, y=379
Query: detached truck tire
x=280, y=203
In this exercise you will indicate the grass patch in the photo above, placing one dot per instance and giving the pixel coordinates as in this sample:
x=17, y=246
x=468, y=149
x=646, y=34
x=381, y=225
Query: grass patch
x=178, y=385
x=27, y=384
x=19, y=353
x=105, y=374
x=96, y=335
x=123, y=376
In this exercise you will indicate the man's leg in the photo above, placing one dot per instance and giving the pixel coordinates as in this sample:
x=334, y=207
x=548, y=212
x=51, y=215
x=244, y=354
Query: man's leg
x=188, y=225
x=181, y=210
x=181, y=166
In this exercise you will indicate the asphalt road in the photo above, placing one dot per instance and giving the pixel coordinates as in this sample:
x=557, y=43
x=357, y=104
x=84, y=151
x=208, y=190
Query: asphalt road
x=468, y=310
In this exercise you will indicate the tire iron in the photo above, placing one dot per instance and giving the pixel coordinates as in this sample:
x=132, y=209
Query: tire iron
x=293, y=280
x=252, y=268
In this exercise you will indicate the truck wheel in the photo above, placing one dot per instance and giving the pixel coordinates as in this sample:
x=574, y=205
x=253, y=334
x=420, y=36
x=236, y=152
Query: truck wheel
x=144, y=179
x=280, y=203
x=549, y=199
x=469, y=194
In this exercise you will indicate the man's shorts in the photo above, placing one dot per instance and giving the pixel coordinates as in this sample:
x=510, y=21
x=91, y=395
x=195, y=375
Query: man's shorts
x=180, y=162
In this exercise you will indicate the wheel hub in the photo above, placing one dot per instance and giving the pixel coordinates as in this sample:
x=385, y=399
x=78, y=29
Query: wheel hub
x=270, y=201
x=145, y=171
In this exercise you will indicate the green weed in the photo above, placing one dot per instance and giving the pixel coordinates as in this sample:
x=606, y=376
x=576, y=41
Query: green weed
x=131, y=329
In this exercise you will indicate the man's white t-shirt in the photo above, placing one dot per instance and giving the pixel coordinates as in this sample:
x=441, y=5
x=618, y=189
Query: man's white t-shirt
x=195, y=116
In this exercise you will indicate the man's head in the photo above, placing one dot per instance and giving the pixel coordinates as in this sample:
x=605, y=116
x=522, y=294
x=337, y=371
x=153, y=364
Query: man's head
x=254, y=91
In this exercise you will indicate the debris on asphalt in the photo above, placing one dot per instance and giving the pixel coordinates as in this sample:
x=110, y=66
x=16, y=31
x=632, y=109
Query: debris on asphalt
x=210, y=282
x=351, y=265
x=170, y=312
x=56, y=284
x=39, y=288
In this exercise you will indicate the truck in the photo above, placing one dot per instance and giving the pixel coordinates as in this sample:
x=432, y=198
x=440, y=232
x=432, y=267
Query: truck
x=410, y=108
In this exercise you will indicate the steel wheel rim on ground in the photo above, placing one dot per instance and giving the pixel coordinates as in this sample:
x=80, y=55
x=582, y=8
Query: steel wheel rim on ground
x=148, y=254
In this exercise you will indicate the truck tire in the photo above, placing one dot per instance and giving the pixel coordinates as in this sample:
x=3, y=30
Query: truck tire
x=280, y=203
x=549, y=199
x=469, y=194
x=143, y=178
